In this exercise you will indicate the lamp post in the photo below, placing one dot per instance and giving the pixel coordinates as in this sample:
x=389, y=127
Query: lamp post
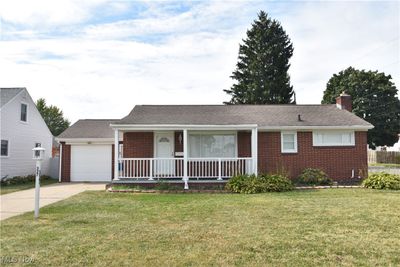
x=38, y=154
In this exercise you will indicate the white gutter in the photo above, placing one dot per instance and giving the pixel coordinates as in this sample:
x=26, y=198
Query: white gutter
x=87, y=140
x=352, y=127
x=143, y=127
x=149, y=127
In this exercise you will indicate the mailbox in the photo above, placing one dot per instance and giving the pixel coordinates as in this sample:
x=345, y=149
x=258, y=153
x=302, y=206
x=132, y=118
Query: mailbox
x=38, y=153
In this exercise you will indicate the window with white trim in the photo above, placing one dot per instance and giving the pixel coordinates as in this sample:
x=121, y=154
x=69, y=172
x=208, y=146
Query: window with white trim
x=333, y=138
x=212, y=145
x=24, y=112
x=4, y=148
x=289, y=142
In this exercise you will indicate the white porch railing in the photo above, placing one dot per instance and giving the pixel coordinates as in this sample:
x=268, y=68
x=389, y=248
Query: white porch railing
x=197, y=168
x=218, y=167
x=150, y=168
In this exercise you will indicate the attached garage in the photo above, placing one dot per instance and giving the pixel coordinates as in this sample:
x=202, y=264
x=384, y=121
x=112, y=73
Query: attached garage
x=91, y=163
x=86, y=152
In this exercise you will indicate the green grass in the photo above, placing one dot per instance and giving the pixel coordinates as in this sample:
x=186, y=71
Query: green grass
x=385, y=165
x=5, y=189
x=332, y=227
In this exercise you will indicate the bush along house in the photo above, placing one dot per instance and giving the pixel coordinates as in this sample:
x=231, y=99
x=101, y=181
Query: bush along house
x=211, y=143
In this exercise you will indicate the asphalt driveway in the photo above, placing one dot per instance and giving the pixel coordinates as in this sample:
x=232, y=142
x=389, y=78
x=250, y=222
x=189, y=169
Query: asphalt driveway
x=16, y=203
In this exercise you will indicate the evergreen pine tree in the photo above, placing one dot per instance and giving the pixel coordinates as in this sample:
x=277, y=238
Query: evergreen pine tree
x=262, y=70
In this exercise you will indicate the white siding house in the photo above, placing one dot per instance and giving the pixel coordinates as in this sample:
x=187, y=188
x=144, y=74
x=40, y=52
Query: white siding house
x=22, y=128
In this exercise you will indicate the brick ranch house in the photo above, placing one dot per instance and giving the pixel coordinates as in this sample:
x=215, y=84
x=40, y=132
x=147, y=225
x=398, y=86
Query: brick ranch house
x=202, y=143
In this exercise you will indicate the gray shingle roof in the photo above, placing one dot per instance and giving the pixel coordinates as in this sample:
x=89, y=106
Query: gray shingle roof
x=262, y=115
x=89, y=129
x=6, y=94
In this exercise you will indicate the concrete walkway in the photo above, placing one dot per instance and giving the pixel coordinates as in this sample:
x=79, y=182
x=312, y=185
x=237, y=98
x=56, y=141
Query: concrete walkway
x=16, y=203
x=392, y=170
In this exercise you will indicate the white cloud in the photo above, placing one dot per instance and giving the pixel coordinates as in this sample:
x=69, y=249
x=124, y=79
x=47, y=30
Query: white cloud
x=203, y=17
x=46, y=13
x=100, y=71
x=330, y=37
x=118, y=74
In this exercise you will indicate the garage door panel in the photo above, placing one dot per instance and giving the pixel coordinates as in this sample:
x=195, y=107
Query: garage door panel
x=90, y=163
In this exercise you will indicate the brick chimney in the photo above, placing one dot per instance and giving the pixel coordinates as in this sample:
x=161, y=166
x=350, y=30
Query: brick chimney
x=343, y=101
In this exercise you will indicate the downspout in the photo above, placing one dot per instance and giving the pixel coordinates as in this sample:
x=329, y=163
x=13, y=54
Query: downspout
x=60, y=164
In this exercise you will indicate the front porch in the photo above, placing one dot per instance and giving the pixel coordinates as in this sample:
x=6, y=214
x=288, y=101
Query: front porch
x=173, y=168
x=206, y=154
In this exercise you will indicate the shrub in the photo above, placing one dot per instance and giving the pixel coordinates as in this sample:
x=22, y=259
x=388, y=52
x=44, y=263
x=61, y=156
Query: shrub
x=161, y=185
x=382, y=180
x=22, y=179
x=251, y=184
x=276, y=183
x=312, y=176
x=238, y=183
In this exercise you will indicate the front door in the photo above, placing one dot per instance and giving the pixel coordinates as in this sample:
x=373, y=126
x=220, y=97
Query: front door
x=164, y=154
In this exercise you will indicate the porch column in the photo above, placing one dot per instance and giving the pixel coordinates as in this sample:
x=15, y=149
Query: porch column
x=254, y=149
x=116, y=154
x=185, y=158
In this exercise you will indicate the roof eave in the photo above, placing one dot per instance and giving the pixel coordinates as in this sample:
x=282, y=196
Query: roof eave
x=237, y=126
x=181, y=126
x=319, y=127
x=85, y=140
x=14, y=97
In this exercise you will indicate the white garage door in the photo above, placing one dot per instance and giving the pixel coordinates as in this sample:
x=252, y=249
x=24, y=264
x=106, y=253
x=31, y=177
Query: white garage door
x=90, y=163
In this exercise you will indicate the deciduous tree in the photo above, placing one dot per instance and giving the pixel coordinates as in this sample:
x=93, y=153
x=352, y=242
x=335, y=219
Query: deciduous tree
x=375, y=99
x=53, y=117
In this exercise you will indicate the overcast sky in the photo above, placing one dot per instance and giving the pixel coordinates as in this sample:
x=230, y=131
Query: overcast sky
x=97, y=59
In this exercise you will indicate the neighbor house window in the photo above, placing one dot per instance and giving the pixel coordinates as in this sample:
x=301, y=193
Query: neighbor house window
x=24, y=112
x=37, y=153
x=333, y=138
x=212, y=145
x=4, y=148
x=289, y=142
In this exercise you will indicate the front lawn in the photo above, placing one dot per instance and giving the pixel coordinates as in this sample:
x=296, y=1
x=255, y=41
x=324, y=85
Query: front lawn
x=300, y=228
x=5, y=189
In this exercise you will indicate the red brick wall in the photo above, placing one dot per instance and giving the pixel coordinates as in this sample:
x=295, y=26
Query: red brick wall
x=65, y=163
x=345, y=102
x=337, y=162
x=244, y=144
x=138, y=145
